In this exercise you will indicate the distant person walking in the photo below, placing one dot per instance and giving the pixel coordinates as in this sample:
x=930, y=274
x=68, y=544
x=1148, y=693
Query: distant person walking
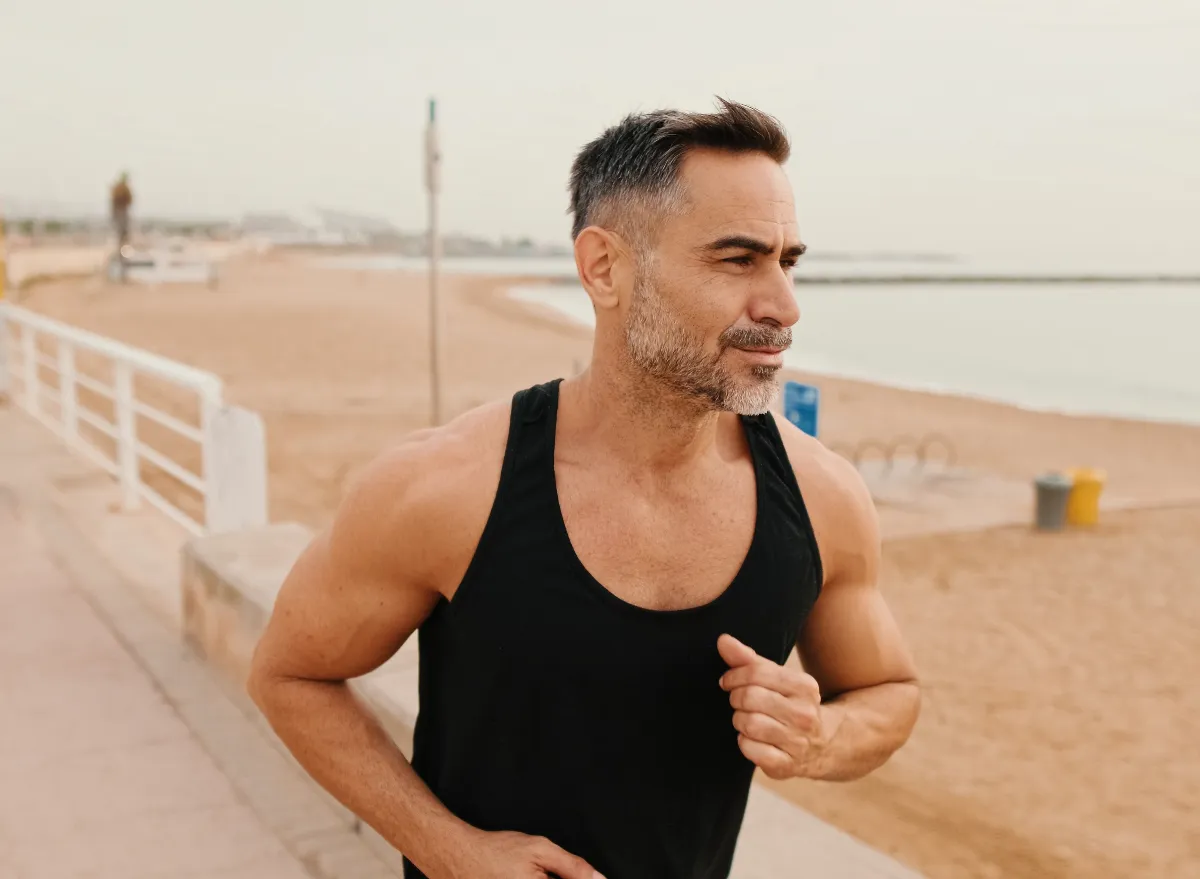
x=121, y=199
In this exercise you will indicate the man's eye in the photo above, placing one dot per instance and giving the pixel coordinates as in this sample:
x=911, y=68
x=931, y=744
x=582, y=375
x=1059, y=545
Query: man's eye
x=741, y=260
x=789, y=264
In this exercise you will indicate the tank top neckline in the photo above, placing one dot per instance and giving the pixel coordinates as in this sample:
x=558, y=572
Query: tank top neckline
x=714, y=605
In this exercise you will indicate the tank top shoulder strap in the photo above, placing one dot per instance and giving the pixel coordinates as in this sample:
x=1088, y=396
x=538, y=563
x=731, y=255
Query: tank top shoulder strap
x=526, y=498
x=527, y=475
x=781, y=490
x=766, y=444
x=531, y=431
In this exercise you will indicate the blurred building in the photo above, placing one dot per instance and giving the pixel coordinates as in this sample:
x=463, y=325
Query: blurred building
x=318, y=227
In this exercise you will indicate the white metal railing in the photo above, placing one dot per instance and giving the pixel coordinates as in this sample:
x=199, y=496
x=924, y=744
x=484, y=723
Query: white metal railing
x=231, y=482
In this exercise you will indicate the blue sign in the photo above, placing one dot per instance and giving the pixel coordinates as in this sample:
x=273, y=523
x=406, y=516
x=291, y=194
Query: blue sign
x=800, y=404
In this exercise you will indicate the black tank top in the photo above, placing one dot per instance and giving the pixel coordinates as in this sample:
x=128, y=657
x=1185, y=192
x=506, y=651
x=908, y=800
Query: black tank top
x=552, y=707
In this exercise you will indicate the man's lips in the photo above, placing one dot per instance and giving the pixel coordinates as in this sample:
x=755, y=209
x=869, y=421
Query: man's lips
x=764, y=350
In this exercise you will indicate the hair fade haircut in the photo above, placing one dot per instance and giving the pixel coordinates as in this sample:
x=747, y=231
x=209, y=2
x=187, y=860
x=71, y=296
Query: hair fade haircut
x=630, y=173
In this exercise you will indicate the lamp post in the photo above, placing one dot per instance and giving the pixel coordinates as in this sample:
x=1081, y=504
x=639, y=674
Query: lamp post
x=432, y=185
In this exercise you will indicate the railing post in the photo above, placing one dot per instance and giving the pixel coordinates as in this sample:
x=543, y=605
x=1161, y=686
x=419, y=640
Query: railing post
x=127, y=457
x=236, y=483
x=5, y=363
x=29, y=367
x=66, y=391
x=209, y=407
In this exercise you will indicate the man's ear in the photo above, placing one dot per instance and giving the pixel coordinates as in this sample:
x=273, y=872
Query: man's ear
x=604, y=262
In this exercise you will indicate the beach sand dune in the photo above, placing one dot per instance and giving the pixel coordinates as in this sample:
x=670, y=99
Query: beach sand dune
x=1058, y=735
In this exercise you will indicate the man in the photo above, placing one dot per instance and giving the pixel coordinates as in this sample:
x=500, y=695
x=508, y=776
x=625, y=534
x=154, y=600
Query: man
x=120, y=201
x=608, y=574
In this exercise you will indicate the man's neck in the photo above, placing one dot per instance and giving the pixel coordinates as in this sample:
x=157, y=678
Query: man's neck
x=649, y=426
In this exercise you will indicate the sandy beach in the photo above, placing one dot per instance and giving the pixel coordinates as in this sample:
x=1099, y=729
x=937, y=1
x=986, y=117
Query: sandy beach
x=1058, y=732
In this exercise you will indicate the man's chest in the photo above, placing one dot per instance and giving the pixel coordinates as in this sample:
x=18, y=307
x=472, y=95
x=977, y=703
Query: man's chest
x=660, y=548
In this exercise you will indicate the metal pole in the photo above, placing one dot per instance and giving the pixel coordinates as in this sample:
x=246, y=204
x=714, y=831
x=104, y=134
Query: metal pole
x=3, y=263
x=432, y=181
x=5, y=380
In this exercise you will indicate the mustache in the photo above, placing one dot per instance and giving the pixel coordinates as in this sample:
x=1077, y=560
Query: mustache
x=757, y=336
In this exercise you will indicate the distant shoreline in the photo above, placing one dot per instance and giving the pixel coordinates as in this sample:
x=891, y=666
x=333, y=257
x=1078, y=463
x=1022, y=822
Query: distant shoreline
x=505, y=300
x=999, y=279
x=957, y=279
x=496, y=266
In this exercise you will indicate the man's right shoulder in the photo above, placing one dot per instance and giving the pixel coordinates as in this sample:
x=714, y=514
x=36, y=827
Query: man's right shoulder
x=423, y=503
x=461, y=450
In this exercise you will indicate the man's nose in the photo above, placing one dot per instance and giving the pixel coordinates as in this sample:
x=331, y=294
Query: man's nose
x=775, y=300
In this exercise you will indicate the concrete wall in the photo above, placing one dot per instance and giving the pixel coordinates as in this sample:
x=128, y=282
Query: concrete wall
x=229, y=586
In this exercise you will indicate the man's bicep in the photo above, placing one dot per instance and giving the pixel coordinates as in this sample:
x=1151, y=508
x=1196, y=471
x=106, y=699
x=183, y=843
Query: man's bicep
x=335, y=620
x=356, y=593
x=850, y=640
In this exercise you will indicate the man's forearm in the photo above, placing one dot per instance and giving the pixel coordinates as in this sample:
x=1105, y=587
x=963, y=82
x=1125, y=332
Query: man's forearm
x=863, y=728
x=344, y=748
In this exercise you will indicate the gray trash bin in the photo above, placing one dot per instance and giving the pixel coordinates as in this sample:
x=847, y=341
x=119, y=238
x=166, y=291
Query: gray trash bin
x=1053, y=490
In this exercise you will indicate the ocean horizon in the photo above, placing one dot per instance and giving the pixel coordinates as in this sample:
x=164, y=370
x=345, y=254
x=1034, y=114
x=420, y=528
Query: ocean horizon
x=1124, y=350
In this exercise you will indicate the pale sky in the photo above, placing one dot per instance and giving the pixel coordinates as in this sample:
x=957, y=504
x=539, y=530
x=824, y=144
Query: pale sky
x=1030, y=126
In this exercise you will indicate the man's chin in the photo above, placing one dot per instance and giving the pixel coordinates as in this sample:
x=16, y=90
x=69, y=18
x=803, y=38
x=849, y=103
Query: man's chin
x=755, y=396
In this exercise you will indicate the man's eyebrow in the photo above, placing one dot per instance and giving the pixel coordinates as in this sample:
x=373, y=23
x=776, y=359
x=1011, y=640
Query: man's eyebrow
x=742, y=242
x=745, y=242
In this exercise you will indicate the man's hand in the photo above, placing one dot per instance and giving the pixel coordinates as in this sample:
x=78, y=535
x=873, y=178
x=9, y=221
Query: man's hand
x=777, y=712
x=507, y=855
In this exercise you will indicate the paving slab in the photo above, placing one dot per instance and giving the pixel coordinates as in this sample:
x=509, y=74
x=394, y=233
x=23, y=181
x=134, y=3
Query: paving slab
x=121, y=752
x=99, y=776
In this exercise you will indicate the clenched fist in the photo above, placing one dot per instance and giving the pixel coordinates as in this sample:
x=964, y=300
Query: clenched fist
x=777, y=712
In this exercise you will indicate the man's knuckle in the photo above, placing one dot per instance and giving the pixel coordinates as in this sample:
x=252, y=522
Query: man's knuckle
x=777, y=770
x=758, y=726
x=745, y=698
x=759, y=694
x=803, y=717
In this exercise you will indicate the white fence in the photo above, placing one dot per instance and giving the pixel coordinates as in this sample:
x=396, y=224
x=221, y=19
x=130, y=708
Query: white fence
x=228, y=487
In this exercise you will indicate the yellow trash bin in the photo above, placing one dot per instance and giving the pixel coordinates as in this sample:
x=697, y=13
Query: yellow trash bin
x=1083, y=506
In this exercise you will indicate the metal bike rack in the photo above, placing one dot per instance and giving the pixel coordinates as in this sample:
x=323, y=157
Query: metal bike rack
x=889, y=451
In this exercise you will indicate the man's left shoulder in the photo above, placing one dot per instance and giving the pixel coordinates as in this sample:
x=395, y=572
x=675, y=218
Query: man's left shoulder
x=818, y=468
x=839, y=503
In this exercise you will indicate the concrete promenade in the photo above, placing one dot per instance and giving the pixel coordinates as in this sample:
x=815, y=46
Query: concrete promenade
x=121, y=755
x=100, y=776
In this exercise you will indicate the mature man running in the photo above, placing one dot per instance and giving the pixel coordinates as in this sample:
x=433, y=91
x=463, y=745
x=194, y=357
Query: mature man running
x=608, y=573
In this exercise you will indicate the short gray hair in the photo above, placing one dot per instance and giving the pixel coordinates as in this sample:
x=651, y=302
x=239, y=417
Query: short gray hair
x=621, y=177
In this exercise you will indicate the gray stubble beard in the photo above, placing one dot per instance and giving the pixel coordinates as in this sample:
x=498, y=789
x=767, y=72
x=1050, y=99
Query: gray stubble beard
x=663, y=348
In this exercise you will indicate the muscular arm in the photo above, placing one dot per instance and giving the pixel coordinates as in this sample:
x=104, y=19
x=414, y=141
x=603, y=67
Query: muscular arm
x=850, y=643
x=351, y=600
